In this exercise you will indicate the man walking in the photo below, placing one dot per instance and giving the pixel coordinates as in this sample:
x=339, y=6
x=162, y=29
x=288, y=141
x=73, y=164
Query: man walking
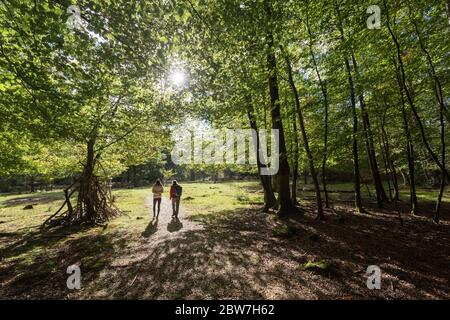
x=175, y=195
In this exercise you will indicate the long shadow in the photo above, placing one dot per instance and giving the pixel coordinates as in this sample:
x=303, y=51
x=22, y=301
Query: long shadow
x=34, y=199
x=42, y=275
x=238, y=255
x=39, y=237
x=174, y=225
x=247, y=254
x=151, y=228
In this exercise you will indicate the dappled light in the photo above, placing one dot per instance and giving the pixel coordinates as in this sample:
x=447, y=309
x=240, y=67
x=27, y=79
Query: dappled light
x=224, y=149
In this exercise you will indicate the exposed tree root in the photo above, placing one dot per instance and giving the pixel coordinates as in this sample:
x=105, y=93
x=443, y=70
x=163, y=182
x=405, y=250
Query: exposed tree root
x=94, y=204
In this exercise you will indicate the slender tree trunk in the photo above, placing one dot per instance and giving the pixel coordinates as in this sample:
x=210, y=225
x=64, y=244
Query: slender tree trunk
x=284, y=195
x=295, y=162
x=370, y=148
x=410, y=98
x=380, y=192
x=442, y=107
x=323, y=89
x=390, y=162
x=443, y=178
x=409, y=151
x=32, y=188
x=357, y=177
x=387, y=170
x=269, y=197
x=85, y=188
x=312, y=169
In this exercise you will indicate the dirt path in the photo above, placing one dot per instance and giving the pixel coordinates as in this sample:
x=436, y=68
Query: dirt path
x=159, y=230
x=164, y=227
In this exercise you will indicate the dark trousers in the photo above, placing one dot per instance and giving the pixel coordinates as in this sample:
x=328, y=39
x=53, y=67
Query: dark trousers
x=156, y=201
x=175, y=206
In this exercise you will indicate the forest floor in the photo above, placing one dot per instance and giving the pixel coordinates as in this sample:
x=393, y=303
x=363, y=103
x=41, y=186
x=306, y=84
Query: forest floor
x=224, y=247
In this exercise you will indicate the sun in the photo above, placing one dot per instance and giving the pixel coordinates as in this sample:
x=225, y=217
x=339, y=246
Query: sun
x=177, y=78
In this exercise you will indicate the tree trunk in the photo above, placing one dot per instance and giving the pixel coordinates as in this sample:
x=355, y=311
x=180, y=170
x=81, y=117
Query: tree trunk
x=387, y=170
x=389, y=160
x=325, y=104
x=312, y=169
x=296, y=154
x=32, y=188
x=357, y=177
x=409, y=151
x=370, y=148
x=94, y=204
x=357, y=181
x=442, y=108
x=85, y=188
x=284, y=195
x=380, y=192
x=410, y=98
x=269, y=197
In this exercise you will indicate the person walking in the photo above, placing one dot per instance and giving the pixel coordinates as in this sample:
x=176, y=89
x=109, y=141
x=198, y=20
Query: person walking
x=175, y=195
x=157, y=191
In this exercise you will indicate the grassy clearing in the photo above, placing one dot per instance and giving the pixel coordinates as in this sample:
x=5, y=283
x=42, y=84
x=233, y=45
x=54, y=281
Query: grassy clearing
x=199, y=198
x=24, y=247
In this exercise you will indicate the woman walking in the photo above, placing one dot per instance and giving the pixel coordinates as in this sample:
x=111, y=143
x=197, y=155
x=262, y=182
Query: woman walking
x=157, y=191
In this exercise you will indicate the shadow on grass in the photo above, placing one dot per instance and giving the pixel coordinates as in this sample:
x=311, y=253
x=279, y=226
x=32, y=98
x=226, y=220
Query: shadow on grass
x=247, y=254
x=238, y=255
x=36, y=264
x=34, y=199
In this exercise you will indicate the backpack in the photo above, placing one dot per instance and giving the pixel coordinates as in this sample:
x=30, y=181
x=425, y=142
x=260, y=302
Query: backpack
x=178, y=190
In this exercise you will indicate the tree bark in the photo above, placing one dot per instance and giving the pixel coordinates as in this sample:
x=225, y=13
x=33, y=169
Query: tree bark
x=380, y=192
x=410, y=98
x=390, y=162
x=312, y=169
x=357, y=177
x=269, y=197
x=442, y=108
x=323, y=89
x=370, y=148
x=85, y=188
x=409, y=150
x=32, y=188
x=295, y=162
x=284, y=195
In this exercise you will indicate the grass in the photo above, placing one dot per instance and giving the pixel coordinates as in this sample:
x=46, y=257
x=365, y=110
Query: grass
x=199, y=198
x=23, y=246
x=203, y=199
